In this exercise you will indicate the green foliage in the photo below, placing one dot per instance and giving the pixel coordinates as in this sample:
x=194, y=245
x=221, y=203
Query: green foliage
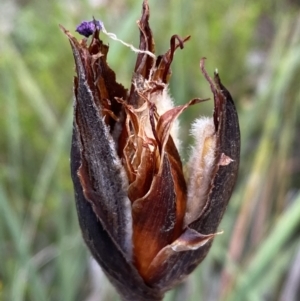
x=256, y=47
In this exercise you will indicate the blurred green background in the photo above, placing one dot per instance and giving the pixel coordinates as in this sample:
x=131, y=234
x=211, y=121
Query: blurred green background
x=256, y=47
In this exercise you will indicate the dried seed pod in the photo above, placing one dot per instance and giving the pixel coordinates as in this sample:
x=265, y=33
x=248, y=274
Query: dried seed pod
x=143, y=221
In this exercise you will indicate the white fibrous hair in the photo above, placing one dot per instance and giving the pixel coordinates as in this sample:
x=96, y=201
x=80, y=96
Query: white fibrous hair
x=163, y=102
x=200, y=167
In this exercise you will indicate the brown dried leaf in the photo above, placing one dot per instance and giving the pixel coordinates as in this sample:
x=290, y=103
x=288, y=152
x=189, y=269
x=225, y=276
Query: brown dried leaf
x=144, y=175
x=144, y=62
x=166, y=121
x=154, y=218
x=163, y=63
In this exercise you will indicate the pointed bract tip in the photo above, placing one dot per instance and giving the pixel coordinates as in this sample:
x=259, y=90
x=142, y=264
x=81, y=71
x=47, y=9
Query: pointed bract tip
x=62, y=28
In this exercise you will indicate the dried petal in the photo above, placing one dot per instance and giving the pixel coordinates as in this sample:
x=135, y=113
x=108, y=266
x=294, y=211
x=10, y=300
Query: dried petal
x=154, y=218
x=164, y=125
x=190, y=240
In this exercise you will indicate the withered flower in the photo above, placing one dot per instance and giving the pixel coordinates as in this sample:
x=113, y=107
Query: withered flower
x=146, y=224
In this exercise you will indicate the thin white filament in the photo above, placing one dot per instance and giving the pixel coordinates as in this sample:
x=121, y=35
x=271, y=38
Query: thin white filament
x=114, y=37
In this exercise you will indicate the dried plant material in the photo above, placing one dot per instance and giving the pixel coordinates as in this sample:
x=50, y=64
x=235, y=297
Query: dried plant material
x=201, y=165
x=146, y=225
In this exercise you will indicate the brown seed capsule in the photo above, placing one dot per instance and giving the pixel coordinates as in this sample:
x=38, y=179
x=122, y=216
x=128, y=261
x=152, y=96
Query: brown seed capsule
x=145, y=223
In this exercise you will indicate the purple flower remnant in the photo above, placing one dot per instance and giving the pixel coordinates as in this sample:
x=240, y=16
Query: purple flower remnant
x=87, y=28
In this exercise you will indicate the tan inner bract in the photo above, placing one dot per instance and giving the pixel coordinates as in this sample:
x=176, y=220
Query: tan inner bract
x=140, y=152
x=156, y=189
